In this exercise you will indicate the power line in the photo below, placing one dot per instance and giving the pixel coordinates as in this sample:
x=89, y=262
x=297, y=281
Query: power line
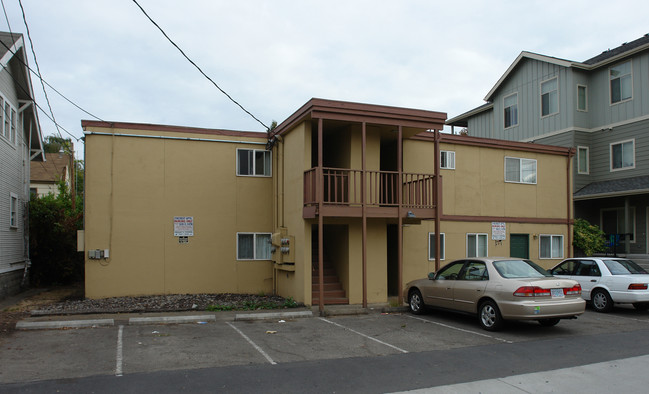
x=31, y=44
x=197, y=67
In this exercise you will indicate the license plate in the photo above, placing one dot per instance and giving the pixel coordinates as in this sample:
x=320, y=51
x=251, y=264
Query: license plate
x=557, y=293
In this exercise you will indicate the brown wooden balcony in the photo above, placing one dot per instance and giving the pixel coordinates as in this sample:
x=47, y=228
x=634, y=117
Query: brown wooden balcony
x=342, y=193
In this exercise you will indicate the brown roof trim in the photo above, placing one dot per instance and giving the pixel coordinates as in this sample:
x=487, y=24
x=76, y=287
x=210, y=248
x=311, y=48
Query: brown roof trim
x=169, y=128
x=508, y=219
x=332, y=109
x=497, y=144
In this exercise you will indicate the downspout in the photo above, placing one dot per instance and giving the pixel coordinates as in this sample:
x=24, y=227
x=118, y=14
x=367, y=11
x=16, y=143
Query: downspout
x=320, y=197
x=364, y=212
x=438, y=200
x=569, y=199
x=400, y=214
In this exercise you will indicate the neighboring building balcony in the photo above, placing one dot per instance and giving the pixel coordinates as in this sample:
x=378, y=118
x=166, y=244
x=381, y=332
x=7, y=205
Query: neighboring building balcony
x=338, y=192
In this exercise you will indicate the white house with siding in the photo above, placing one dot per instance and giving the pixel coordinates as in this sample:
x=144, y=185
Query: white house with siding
x=20, y=143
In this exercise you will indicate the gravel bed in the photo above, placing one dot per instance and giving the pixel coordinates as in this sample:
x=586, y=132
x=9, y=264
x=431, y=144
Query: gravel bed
x=163, y=303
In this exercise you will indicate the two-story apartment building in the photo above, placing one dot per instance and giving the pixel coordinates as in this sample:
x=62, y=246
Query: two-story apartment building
x=20, y=143
x=375, y=193
x=600, y=107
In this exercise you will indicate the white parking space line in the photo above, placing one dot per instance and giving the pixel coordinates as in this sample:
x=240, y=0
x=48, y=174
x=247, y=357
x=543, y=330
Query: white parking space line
x=119, y=357
x=459, y=329
x=363, y=335
x=260, y=350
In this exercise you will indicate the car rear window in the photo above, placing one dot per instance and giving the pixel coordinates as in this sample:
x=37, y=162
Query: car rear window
x=519, y=269
x=623, y=267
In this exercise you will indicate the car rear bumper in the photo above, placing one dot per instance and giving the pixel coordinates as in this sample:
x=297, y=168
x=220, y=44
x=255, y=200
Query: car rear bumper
x=630, y=296
x=534, y=309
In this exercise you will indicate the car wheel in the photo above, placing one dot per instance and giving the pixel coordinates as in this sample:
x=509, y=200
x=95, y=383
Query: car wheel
x=601, y=301
x=641, y=306
x=489, y=316
x=549, y=322
x=416, y=302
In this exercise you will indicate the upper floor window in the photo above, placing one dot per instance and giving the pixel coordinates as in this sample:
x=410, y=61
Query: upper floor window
x=550, y=97
x=8, y=119
x=476, y=245
x=253, y=246
x=7, y=116
x=253, y=162
x=447, y=159
x=582, y=160
x=582, y=98
x=510, y=105
x=621, y=82
x=431, y=246
x=551, y=246
x=520, y=170
x=623, y=155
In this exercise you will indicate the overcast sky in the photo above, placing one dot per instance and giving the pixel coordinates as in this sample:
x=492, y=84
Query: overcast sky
x=273, y=56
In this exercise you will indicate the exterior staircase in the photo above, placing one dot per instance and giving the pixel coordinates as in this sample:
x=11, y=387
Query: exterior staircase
x=334, y=294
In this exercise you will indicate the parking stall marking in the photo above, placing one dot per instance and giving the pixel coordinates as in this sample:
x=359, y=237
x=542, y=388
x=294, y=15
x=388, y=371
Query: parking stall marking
x=459, y=329
x=119, y=356
x=259, y=349
x=363, y=335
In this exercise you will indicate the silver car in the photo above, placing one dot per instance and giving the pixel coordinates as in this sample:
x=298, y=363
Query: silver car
x=497, y=289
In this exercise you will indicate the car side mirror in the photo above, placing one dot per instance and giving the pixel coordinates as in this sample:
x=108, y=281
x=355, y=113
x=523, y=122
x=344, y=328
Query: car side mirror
x=431, y=275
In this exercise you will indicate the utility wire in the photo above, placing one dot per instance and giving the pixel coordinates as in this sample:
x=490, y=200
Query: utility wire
x=31, y=44
x=197, y=67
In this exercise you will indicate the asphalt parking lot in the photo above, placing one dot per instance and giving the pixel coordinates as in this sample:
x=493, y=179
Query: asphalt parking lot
x=223, y=341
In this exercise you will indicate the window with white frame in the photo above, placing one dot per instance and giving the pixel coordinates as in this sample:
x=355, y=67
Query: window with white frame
x=582, y=160
x=7, y=117
x=476, y=245
x=520, y=170
x=550, y=97
x=431, y=246
x=621, y=82
x=253, y=246
x=447, y=159
x=13, y=125
x=8, y=120
x=551, y=246
x=510, y=112
x=623, y=155
x=582, y=98
x=13, y=210
x=253, y=162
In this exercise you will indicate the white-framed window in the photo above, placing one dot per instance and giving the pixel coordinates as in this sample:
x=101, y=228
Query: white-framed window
x=476, y=245
x=510, y=110
x=14, y=119
x=13, y=210
x=253, y=246
x=7, y=120
x=518, y=170
x=550, y=97
x=623, y=155
x=550, y=246
x=253, y=162
x=431, y=246
x=621, y=82
x=583, y=165
x=582, y=98
x=447, y=159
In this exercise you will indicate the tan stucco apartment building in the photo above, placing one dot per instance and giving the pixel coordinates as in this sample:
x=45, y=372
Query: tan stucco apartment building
x=367, y=190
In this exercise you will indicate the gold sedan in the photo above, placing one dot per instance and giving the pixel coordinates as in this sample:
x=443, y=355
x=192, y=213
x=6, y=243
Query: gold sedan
x=498, y=289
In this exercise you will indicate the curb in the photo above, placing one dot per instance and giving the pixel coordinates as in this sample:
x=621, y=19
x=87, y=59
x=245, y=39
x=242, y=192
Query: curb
x=48, y=325
x=171, y=319
x=272, y=315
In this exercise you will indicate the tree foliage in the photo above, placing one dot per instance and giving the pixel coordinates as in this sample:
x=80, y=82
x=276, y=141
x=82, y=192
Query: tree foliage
x=588, y=237
x=53, y=226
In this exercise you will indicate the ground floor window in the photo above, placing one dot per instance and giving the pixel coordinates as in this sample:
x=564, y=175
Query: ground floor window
x=13, y=210
x=476, y=245
x=431, y=246
x=551, y=246
x=253, y=246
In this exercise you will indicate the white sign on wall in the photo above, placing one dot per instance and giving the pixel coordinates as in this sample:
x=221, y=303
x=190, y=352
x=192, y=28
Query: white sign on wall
x=498, y=231
x=183, y=226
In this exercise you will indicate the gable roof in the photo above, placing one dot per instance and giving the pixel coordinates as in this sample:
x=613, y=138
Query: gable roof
x=54, y=169
x=640, y=43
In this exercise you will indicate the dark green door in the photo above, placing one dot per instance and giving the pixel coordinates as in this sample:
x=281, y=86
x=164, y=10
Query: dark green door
x=519, y=246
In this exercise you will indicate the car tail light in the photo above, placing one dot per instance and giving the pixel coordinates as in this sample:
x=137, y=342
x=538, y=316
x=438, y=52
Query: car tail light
x=638, y=286
x=531, y=291
x=574, y=290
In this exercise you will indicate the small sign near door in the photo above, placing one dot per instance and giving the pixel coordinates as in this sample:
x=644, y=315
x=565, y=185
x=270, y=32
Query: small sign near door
x=183, y=226
x=498, y=231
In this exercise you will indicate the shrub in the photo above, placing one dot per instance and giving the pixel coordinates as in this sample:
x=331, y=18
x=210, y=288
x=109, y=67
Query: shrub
x=588, y=237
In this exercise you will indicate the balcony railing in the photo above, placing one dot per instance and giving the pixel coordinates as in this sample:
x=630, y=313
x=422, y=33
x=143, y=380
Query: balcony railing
x=343, y=187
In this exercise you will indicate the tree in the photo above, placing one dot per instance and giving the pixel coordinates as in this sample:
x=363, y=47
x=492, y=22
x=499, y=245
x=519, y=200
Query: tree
x=588, y=237
x=54, y=144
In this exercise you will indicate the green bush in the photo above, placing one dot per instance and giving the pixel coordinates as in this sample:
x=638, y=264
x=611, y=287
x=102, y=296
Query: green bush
x=53, y=225
x=588, y=237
